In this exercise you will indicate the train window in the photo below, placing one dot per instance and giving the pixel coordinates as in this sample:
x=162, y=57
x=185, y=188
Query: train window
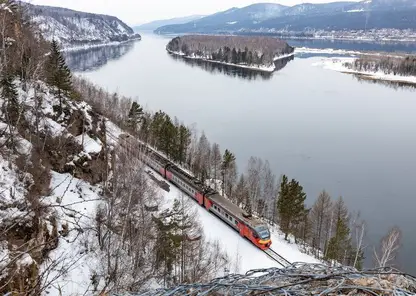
x=226, y=215
x=236, y=223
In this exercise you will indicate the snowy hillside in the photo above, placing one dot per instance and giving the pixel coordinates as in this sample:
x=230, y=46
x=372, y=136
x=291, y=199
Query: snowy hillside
x=76, y=28
x=244, y=255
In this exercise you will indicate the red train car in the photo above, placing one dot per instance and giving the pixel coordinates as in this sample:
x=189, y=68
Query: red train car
x=248, y=226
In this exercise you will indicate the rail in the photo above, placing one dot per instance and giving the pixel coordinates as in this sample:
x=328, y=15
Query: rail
x=278, y=258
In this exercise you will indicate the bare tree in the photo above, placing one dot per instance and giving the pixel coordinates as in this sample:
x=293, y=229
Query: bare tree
x=358, y=229
x=389, y=247
x=320, y=216
x=269, y=191
x=215, y=163
x=254, y=202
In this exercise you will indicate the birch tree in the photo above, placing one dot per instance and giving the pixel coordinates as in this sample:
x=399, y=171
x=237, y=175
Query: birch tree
x=389, y=248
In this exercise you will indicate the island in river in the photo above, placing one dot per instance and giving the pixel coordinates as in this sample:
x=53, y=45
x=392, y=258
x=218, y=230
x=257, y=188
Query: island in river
x=254, y=52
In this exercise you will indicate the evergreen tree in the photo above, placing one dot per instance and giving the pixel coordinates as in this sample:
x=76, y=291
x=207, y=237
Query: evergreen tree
x=234, y=56
x=173, y=230
x=290, y=205
x=340, y=242
x=8, y=89
x=57, y=72
x=228, y=161
x=135, y=116
x=9, y=95
x=184, y=140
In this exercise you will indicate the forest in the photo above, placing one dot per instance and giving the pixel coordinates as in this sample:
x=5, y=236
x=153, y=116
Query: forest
x=401, y=66
x=238, y=50
x=45, y=115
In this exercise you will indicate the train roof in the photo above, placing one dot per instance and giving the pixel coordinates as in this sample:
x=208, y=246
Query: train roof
x=235, y=210
x=230, y=207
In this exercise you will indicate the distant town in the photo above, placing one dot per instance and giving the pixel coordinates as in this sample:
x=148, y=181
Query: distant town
x=373, y=35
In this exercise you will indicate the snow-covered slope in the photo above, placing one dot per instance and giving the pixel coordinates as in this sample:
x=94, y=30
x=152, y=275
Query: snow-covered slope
x=74, y=28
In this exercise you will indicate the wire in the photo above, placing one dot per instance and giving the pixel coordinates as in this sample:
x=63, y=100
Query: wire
x=299, y=279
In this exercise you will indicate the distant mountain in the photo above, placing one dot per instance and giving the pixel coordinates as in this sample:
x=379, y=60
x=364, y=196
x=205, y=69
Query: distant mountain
x=267, y=17
x=159, y=23
x=72, y=27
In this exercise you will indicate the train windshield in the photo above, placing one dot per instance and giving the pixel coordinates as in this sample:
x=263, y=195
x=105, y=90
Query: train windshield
x=263, y=232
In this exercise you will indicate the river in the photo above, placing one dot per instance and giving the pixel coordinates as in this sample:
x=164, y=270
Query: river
x=328, y=130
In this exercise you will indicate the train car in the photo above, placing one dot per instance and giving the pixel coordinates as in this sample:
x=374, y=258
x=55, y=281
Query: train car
x=253, y=229
x=249, y=227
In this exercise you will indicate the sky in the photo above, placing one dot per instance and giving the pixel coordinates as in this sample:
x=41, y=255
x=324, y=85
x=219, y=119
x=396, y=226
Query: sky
x=135, y=12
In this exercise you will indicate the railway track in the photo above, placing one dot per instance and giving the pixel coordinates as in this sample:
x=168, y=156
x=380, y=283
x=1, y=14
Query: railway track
x=269, y=252
x=276, y=257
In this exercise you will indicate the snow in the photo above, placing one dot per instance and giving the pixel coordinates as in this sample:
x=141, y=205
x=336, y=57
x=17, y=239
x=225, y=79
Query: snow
x=11, y=190
x=356, y=10
x=71, y=48
x=283, y=56
x=3, y=6
x=24, y=147
x=24, y=261
x=4, y=259
x=90, y=145
x=113, y=132
x=337, y=64
x=75, y=202
x=242, y=252
x=343, y=52
x=326, y=51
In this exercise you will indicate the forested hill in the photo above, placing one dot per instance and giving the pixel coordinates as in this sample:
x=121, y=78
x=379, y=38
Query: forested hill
x=72, y=27
x=250, y=51
x=305, y=17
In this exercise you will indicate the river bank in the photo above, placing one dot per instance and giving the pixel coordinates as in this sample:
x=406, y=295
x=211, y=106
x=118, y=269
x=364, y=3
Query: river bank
x=338, y=64
x=262, y=68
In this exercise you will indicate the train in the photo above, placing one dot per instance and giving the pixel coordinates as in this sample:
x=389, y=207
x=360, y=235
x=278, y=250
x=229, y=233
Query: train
x=247, y=225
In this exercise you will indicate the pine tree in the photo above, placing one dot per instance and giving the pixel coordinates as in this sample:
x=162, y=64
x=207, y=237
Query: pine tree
x=234, y=59
x=340, y=242
x=290, y=205
x=228, y=161
x=135, y=116
x=57, y=72
x=9, y=95
x=183, y=142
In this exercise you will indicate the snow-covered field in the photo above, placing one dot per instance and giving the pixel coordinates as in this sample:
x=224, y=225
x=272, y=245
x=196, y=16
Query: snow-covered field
x=337, y=64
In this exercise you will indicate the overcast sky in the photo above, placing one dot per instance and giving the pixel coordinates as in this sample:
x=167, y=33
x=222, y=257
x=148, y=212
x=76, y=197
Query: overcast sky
x=141, y=11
